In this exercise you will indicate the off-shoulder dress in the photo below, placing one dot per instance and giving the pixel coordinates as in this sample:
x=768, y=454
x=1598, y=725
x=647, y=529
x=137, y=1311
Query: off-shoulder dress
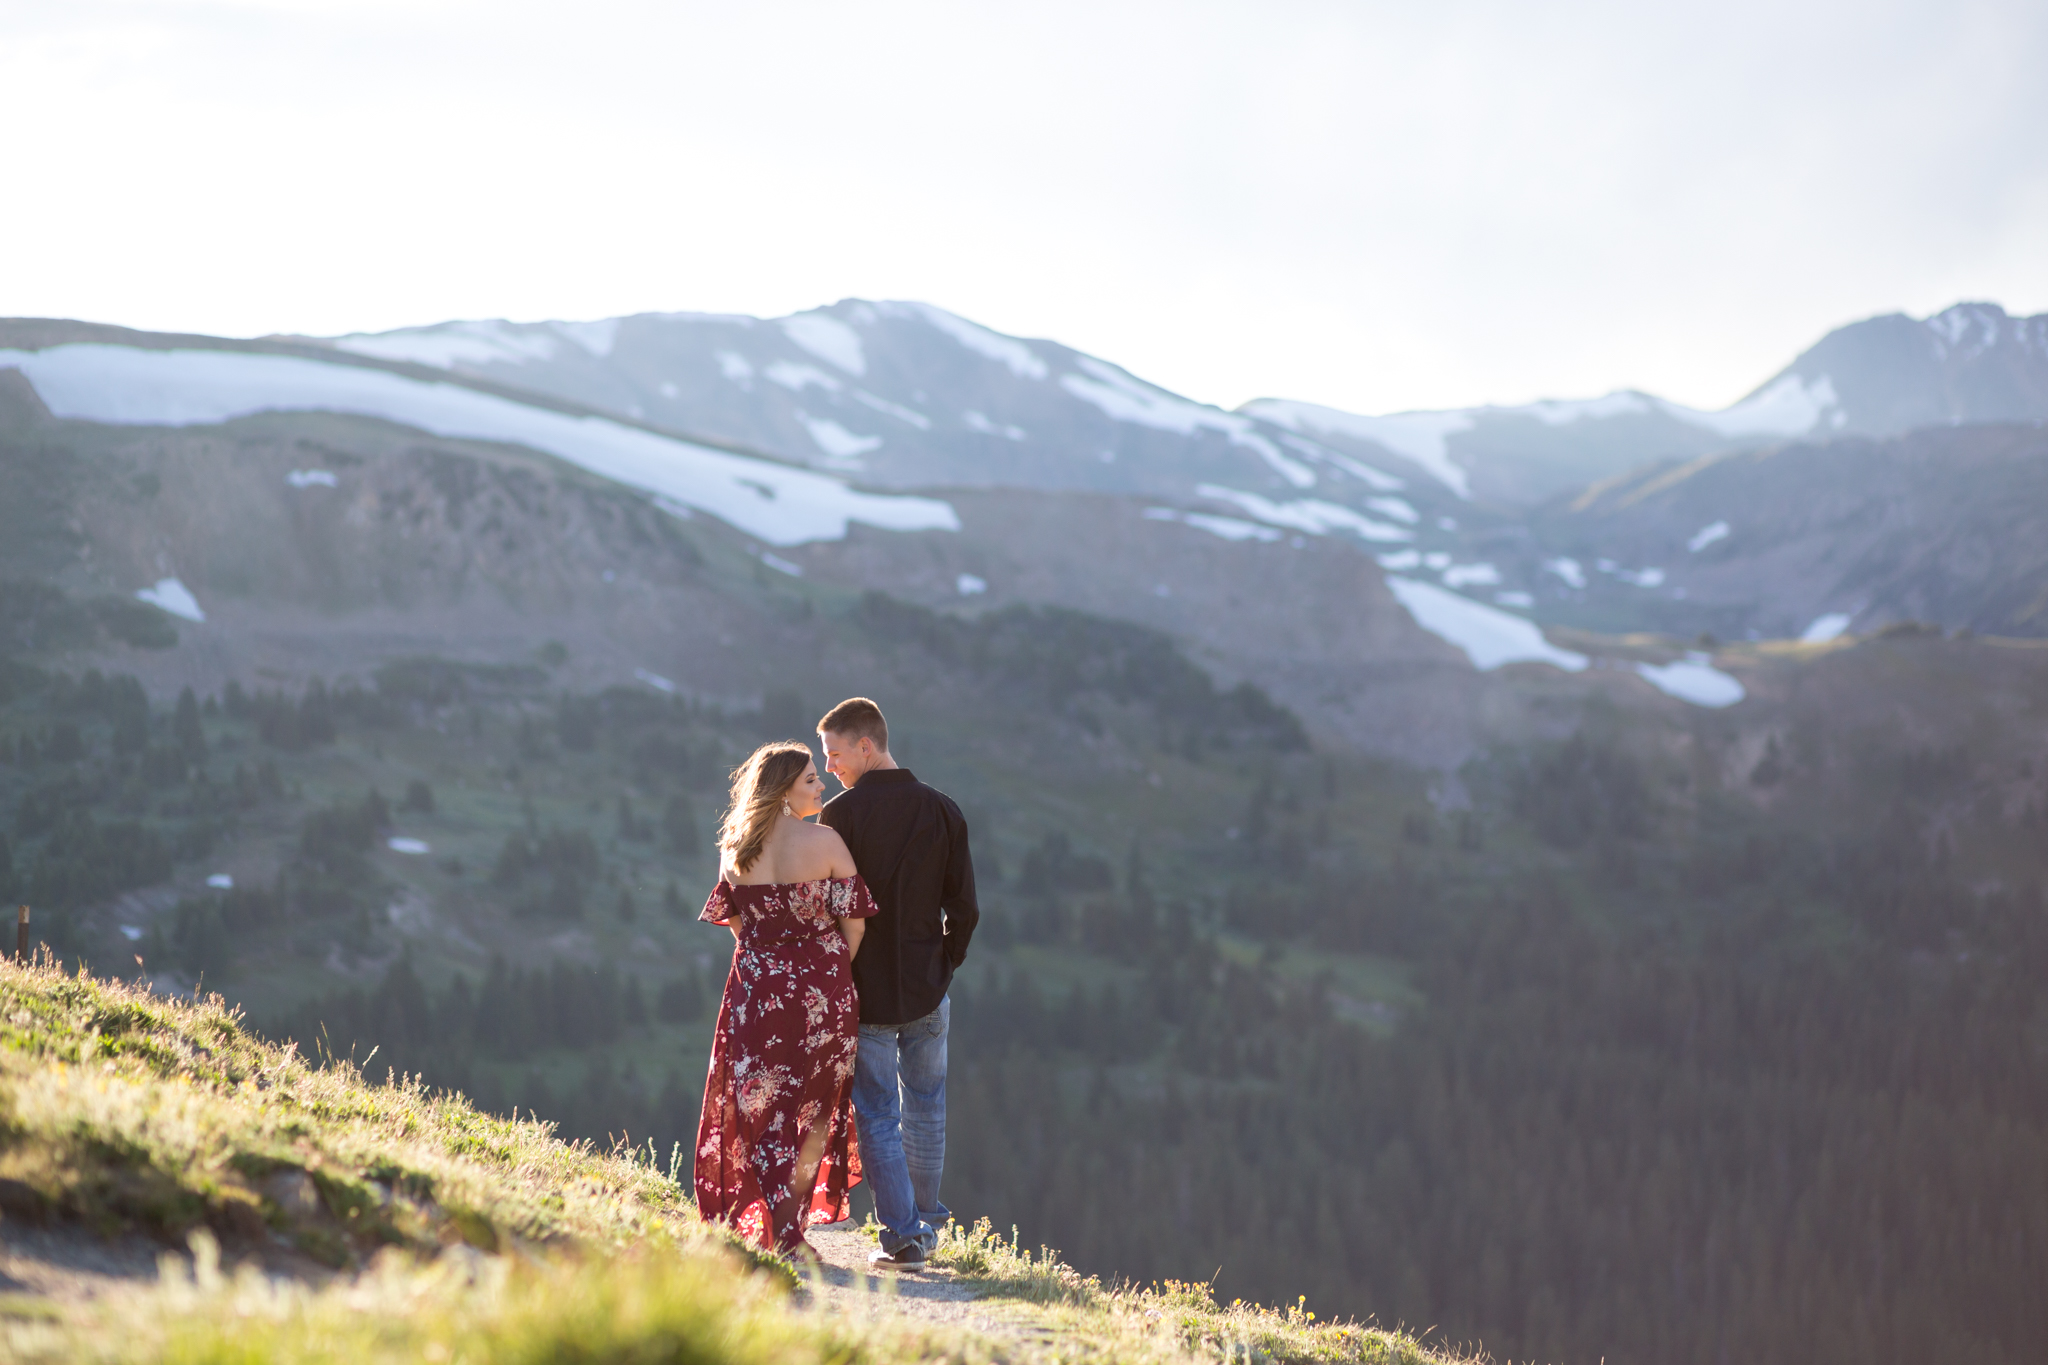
x=775, y=1149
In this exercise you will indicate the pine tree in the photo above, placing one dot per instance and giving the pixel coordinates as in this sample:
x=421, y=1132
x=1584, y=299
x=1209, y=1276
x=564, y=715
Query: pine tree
x=186, y=729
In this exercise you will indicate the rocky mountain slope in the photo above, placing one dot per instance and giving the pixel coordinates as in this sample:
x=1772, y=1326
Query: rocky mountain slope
x=903, y=395
x=908, y=395
x=1945, y=524
x=1881, y=377
x=1370, y=572
x=308, y=511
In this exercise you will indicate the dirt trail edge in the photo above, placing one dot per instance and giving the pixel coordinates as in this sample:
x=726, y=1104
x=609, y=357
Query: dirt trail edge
x=934, y=1294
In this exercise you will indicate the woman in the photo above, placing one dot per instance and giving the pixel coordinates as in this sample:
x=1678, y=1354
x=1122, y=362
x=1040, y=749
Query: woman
x=774, y=1149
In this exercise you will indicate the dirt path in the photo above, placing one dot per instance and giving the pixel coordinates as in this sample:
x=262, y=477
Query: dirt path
x=68, y=1265
x=934, y=1295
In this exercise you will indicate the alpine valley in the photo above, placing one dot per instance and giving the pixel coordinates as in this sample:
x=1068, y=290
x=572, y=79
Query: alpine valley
x=1568, y=873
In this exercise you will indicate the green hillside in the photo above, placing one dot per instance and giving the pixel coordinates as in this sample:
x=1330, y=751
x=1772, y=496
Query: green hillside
x=458, y=1235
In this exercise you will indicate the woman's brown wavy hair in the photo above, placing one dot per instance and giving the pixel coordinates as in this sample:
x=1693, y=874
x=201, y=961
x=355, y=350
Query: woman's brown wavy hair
x=758, y=787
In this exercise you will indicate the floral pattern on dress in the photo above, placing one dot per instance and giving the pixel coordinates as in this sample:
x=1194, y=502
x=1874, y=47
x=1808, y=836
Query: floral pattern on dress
x=781, y=1076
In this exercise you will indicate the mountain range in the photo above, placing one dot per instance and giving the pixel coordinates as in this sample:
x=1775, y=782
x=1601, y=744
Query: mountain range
x=1373, y=573
x=908, y=395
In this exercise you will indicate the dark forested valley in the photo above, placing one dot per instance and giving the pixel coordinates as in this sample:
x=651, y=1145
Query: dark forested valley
x=1596, y=1061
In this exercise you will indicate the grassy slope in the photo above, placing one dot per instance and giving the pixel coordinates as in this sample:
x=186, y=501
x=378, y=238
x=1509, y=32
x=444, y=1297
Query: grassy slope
x=455, y=1235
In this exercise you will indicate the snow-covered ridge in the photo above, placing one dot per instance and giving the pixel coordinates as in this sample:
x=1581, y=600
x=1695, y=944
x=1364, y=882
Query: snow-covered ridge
x=1970, y=329
x=1006, y=350
x=1130, y=399
x=447, y=345
x=1790, y=407
x=775, y=503
x=829, y=339
x=1418, y=437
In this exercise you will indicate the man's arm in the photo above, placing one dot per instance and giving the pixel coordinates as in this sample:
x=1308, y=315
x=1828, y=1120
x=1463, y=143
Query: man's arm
x=962, y=911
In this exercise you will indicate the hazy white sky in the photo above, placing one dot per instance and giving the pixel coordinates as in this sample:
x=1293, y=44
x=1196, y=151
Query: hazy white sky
x=1375, y=206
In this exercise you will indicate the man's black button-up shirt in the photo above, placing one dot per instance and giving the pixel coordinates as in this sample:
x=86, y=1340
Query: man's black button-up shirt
x=909, y=843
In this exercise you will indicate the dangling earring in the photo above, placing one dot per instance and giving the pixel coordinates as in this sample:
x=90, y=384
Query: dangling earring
x=787, y=811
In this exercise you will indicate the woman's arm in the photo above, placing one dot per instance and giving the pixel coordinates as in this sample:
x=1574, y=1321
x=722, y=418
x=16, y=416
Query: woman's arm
x=852, y=930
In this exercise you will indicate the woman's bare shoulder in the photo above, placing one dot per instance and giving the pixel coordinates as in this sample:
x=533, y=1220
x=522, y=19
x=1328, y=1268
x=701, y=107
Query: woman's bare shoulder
x=824, y=842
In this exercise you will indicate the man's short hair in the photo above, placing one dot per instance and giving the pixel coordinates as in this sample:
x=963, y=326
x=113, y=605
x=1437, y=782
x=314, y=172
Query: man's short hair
x=858, y=718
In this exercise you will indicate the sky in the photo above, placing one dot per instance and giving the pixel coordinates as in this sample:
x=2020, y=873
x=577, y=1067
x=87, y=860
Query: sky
x=1379, y=207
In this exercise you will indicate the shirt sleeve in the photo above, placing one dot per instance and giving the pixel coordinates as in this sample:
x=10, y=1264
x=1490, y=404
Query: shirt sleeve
x=718, y=908
x=963, y=913
x=851, y=899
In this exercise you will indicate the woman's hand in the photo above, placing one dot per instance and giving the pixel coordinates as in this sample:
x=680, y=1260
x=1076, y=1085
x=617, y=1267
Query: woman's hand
x=851, y=930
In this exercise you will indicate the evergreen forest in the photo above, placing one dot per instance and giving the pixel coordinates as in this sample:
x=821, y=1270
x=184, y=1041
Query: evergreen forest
x=1583, y=1057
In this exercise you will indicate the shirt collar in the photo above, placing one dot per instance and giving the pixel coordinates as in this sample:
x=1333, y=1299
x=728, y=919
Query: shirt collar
x=880, y=776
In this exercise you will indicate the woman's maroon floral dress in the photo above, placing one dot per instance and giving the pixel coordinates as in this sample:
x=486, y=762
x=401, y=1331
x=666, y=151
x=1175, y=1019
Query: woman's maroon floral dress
x=778, y=1102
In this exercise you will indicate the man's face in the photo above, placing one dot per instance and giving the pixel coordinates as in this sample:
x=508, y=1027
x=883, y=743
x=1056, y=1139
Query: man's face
x=846, y=758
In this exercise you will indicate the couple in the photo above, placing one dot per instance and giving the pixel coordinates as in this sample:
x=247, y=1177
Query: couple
x=847, y=933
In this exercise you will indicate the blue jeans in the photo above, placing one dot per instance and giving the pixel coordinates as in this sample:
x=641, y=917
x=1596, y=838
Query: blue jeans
x=899, y=1094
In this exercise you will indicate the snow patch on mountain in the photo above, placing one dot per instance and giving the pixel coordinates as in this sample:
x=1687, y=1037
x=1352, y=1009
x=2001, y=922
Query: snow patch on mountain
x=1300, y=475
x=1790, y=407
x=1418, y=437
x=1127, y=399
x=980, y=422
x=1229, y=528
x=836, y=441
x=168, y=594
x=1377, y=479
x=1312, y=515
x=1707, y=535
x=448, y=344
x=1022, y=360
x=1693, y=679
x=490, y=341
x=1489, y=636
x=896, y=410
x=1953, y=324
x=829, y=339
x=1466, y=575
x=796, y=378
x=1825, y=628
x=1397, y=508
x=776, y=503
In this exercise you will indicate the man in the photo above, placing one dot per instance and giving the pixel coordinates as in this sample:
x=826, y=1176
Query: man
x=910, y=844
